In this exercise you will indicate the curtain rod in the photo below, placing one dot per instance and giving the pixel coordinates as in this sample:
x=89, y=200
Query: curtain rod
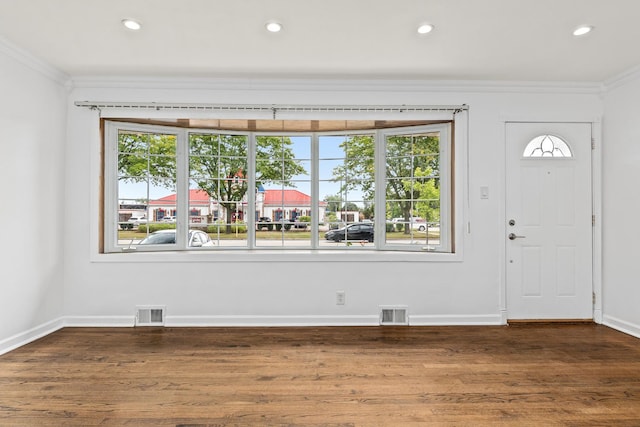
x=94, y=105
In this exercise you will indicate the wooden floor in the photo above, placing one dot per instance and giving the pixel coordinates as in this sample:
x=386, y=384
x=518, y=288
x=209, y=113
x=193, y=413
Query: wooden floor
x=527, y=375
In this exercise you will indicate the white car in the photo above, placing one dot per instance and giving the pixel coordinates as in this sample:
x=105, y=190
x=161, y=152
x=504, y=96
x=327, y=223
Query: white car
x=197, y=238
x=169, y=218
x=416, y=222
x=419, y=224
x=137, y=220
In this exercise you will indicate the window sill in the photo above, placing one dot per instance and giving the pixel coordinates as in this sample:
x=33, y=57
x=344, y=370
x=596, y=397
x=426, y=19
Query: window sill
x=284, y=256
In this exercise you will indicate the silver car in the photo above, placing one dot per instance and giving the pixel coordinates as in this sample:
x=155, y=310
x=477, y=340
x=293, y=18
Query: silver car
x=197, y=238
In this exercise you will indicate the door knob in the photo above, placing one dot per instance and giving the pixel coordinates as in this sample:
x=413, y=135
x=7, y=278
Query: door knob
x=512, y=236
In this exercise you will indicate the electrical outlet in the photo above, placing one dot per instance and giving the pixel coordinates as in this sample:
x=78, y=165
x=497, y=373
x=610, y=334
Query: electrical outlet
x=340, y=297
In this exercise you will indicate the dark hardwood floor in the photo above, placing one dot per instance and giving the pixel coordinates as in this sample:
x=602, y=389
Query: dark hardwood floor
x=541, y=374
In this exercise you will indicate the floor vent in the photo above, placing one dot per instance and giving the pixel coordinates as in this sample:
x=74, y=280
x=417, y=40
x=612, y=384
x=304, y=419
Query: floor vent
x=396, y=315
x=150, y=316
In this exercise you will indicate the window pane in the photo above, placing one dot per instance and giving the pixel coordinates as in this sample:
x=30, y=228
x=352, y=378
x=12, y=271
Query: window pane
x=283, y=199
x=218, y=187
x=547, y=146
x=412, y=189
x=146, y=165
x=347, y=189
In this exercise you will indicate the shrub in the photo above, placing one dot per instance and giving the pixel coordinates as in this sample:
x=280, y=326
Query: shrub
x=303, y=221
x=389, y=227
x=221, y=227
x=399, y=227
x=239, y=227
x=142, y=228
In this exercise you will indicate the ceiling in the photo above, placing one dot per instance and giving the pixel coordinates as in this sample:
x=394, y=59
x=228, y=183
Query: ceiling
x=514, y=40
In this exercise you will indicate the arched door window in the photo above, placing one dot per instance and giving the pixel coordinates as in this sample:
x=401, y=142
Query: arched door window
x=547, y=146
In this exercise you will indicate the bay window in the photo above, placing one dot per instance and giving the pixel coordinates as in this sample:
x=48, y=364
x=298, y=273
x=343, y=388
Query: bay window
x=380, y=188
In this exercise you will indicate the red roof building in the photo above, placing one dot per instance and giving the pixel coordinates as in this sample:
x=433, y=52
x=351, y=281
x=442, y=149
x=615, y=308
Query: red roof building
x=275, y=204
x=196, y=197
x=286, y=198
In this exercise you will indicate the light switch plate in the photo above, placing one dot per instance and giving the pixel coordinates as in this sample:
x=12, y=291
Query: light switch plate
x=484, y=192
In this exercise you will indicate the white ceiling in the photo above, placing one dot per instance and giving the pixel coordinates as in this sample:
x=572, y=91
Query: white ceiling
x=515, y=40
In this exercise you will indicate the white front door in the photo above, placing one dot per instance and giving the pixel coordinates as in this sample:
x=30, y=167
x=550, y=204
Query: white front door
x=549, y=221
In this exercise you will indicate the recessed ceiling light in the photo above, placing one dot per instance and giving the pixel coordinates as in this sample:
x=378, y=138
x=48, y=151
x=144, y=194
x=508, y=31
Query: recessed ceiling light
x=425, y=29
x=131, y=24
x=273, y=27
x=582, y=30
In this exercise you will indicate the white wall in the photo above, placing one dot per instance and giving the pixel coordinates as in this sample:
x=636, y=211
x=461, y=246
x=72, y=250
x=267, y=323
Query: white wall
x=32, y=167
x=300, y=289
x=621, y=205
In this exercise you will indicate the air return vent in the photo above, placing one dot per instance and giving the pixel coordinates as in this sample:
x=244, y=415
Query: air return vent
x=150, y=316
x=394, y=315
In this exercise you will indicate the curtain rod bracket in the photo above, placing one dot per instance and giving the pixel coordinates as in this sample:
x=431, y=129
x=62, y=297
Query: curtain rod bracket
x=462, y=108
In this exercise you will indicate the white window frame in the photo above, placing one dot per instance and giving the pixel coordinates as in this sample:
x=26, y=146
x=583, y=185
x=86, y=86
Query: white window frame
x=445, y=187
x=453, y=200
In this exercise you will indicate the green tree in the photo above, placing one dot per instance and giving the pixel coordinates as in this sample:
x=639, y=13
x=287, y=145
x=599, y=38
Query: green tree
x=412, y=172
x=145, y=157
x=219, y=163
x=357, y=172
x=350, y=207
x=334, y=203
x=428, y=206
x=369, y=209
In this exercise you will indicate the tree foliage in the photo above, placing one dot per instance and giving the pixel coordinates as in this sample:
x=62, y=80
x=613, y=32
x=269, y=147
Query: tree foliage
x=412, y=173
x=334, y=203
x=357, y=172
x=218, y=164
x=144, y=157
x=428, y=206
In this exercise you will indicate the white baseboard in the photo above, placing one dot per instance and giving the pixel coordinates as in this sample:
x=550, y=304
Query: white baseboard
x=23, y=338
x=454, y=320
x=597, y=316
x=364, y=320
x=621, y=325
x=99, y=321
x=267, y=321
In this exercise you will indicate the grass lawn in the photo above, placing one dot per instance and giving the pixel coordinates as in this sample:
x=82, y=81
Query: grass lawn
x=274, y=235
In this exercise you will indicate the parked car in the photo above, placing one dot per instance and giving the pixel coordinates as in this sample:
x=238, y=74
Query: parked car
x=169, y=218
x=419, y=224
x=197, y=238
x=357, y=231
x=416, y=222
x=264, y=222
x=133, y=222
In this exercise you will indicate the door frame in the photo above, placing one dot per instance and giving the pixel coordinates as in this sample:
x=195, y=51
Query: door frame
x=596, y=188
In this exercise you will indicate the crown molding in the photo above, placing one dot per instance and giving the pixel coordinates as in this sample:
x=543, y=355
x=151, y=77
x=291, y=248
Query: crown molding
x=34, y=63
x=335, y=85
x=621, y=79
